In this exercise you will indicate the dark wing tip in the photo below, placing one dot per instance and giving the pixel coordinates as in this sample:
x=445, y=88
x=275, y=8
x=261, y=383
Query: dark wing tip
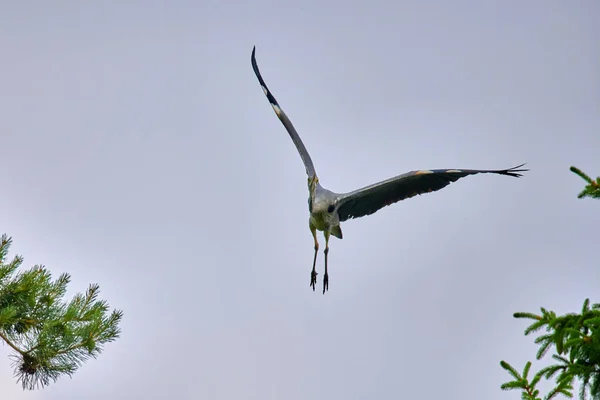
x=268, y=93
x=255, y=68
x=253, y=58
x=514, y=171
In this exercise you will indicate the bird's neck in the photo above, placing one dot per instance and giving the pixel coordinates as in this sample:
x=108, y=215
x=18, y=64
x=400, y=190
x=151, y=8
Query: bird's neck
x=312, y=185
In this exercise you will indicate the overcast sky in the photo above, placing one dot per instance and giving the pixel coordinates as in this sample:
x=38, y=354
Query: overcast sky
x=139, y=153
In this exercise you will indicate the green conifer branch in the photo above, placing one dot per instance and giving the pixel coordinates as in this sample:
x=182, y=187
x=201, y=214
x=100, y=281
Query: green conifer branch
x=575, y=335
x=592, y=189
x=49, y=337
x=521, y=382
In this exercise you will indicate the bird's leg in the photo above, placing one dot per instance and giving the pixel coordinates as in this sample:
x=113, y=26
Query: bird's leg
x=313, y=274
x=326, y=276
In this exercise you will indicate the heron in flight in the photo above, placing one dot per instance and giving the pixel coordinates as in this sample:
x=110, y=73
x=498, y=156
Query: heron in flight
x=327, y=209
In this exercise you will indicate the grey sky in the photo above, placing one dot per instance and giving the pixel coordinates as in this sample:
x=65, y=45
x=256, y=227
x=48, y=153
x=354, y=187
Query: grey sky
x=139, y=152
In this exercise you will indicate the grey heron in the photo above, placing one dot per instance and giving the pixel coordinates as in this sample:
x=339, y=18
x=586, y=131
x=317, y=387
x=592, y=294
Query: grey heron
x=328, y=209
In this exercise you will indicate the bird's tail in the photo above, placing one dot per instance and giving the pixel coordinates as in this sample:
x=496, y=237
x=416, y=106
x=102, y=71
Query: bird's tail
x=337, y=232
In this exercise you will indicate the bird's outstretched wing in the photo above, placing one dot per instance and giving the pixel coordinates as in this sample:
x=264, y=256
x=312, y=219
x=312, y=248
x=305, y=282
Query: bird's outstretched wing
x=308, y=164
x=369, y=199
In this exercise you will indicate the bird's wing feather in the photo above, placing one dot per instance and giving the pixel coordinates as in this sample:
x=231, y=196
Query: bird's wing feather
x=308, y=164
x=371, y=198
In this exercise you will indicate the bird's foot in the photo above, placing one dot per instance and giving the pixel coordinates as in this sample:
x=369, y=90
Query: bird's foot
x=313, y=279
x=325, y=283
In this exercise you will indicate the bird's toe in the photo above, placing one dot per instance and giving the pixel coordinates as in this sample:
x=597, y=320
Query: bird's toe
x=313, y=280
x=325, y=283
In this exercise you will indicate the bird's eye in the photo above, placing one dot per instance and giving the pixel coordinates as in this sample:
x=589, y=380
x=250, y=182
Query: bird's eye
x=330, y=208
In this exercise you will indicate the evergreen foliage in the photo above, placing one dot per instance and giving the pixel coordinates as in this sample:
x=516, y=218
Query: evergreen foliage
x=592, y=189
x=575, y=337
x=49, y=337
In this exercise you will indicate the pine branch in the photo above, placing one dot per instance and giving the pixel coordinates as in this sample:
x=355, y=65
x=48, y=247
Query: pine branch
x=49, y=337
x=575, y=334
x=529, y=392
x=11, y=344
x=592, y=189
